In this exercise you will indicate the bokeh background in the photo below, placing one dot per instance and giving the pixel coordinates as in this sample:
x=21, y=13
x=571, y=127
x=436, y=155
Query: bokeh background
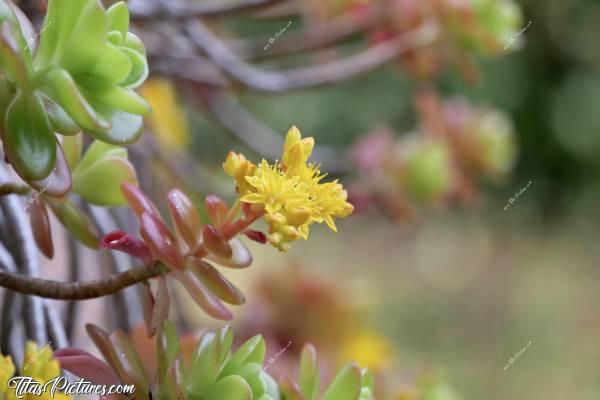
x=453, y=289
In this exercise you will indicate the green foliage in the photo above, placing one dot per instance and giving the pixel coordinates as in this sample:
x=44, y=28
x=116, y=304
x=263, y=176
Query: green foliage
x=81, y=77
x=350, y=383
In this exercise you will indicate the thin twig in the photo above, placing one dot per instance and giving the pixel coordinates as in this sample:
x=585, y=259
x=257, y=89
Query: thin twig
x=14, y=188
x=311, y=37
x=11, y=304
x=26, y=258
x=281, y=81
x=56, y=330
x=145, y=9
x=51, y=289
x=73, y=306
x=257, y=135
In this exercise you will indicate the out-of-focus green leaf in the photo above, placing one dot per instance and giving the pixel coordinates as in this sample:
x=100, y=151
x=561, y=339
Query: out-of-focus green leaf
x=118, y=17
x=345, y=386
x=76, y=222
x=231, y=388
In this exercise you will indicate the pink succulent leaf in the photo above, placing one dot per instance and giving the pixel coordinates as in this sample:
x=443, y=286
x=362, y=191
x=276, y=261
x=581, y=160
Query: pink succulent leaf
x=124, y=242
x=85, y=365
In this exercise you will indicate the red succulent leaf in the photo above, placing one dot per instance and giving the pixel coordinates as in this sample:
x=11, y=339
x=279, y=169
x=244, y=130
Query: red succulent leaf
x=203, y=296
x=148, y=302
x=59, y=182
x=124, y=242
x=185, y=217
x=161, y=241
x=85, y=365
x=138, y=201
x=216, y=209
x=40, y=224
x=215, y=243
x=257, y=236
x=215, y=281
x=162, y=305
x=120, y=354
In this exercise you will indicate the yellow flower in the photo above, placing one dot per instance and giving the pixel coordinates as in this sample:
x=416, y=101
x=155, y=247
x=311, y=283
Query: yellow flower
x=238, y=167
x=7, y=370
x=37, y=364
x=368, y=349
x=168, y=121
x=291, y=192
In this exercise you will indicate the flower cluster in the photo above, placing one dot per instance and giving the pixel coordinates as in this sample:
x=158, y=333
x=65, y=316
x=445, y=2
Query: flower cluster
x=38, y=364
x=290, y=191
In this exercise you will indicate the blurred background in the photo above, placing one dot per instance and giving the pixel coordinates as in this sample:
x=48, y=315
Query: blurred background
x=468, y=136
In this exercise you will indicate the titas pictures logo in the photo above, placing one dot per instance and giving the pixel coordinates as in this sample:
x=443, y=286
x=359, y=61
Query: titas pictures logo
x=24, y=385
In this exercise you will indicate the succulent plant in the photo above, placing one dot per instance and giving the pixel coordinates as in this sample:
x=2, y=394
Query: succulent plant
x=350, y=383
x=214, y=370
x=80, y=77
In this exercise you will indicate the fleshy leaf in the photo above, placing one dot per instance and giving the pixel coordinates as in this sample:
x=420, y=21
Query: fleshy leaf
x=345, y=386
x=138, y=201
x=87, y=40
x=241, y=258
x=58, y=183
x=121, y=241
x=108, y=173
x=231, y=388
x=204, y=368
x=308, y=376
x=215, y=281
x=161, y=241
x=185, y=216
x=40, y=225
x=203, y=296
x=28, y=138
x=60, y=86
x=253, y=350
x=118, y=18
x=85, y=365
x=76, y=222
x=215, y=243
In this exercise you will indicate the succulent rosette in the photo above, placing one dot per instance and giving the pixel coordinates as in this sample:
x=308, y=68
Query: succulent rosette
x=80, y=77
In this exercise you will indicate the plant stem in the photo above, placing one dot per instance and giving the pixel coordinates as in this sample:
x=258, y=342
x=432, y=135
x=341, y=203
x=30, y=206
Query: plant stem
x=13, y=188
x=79, y=290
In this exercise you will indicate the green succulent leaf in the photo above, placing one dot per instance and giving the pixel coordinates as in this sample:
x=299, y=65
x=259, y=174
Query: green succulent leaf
x=100, y=183
x=60, y=86
x=232, y=387
x=87, y=39
x=60, y=120
x=113, y=66
x=103, y=166
x=205, y=365
x=139, y=68
x=76, y=222
x=125, y=128
x=309, y=375
x=345, y=386
x=118, y=17
x=252, y=373
x=58, y=183
x=72, y=148
x=253, y=350
x=15, y=59
x=28, y=138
